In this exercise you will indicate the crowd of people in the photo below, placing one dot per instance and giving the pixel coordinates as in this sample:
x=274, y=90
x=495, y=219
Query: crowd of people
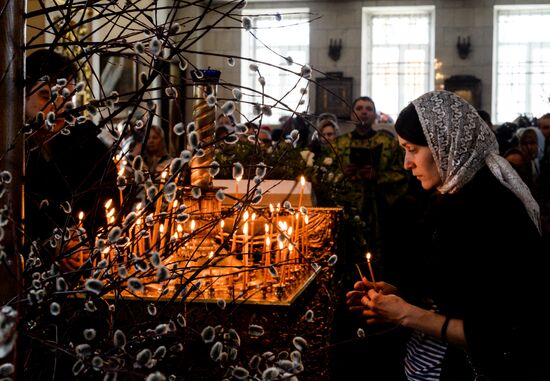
x=455, y=211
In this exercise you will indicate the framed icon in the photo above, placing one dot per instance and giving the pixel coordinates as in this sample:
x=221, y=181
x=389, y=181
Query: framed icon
x=467, y=87
x=334, y=95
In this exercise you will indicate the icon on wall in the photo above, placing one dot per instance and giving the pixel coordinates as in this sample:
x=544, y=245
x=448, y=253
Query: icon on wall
x=466, y=86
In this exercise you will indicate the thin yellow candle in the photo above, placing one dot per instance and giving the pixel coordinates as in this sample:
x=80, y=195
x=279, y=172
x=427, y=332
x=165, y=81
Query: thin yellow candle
x=245, y=253
x=121, y=173
x=266, y=235
x=306, y=222
x=303, y=183
x=359, y=271
x=159, y=199
x=210, y=256
x=368, y=256
x=80, y=218
x=253, y=219
x=237, y=179
x=161, y=235
x=267, y=260
x=222, y=224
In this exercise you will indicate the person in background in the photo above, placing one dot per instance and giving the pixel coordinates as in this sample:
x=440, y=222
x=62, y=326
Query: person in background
x=371, y=165
x=543, y=123
x=155, y=154
x=506, y=136
x=369, y=183
x=327, y=130
x=68, y=170
x=67, y=166
x=457, y=305
x=486, y=118
x=521, y=163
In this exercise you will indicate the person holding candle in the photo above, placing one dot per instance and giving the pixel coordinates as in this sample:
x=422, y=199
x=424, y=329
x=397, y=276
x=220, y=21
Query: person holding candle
x=473, y=306
x=67, y=167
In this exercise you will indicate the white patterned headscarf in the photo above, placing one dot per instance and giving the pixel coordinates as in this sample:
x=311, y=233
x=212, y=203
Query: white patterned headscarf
x=462, y=143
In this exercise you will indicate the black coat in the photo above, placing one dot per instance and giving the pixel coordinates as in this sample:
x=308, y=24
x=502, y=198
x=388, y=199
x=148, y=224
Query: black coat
x=76, y=168
x=483, y=263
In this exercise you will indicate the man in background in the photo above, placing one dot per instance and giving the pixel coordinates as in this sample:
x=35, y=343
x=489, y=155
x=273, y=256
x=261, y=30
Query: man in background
x=66, y=165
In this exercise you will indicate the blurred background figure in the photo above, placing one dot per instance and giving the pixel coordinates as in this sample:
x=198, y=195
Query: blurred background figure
x=155, y=154
x=506, y=136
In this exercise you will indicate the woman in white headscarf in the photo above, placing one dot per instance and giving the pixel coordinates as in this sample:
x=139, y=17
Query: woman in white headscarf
x=473, y=305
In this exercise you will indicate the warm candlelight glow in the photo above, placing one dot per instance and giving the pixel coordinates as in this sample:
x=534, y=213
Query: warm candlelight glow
x=222, y=223
x=108, y=203
x=193, y=225
x=303, y=181
x=368, y=256
x=80, y=216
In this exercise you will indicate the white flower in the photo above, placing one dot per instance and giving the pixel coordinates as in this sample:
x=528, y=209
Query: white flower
x=307, y=156
x=327, y=161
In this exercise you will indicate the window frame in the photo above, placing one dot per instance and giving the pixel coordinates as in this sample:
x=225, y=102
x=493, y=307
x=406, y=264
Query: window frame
x=246, y=108
x=512, y=9
x=367, y=46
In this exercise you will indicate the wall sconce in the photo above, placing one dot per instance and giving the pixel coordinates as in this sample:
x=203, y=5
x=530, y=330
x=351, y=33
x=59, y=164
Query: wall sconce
x=463, y=46
x=335, y=49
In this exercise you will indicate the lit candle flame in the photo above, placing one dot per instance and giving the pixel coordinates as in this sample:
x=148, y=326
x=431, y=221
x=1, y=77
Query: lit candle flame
x=222, y=223
x=193, y=224
x=108, y=203
x=245, y=215
x=271, y=208
x=266, y=228
x=211, y=254
x=80, y=215
x=303, y=180
x=368, y=256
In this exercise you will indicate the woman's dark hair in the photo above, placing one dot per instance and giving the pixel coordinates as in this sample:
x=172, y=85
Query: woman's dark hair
x=46, y=62
x=408, y=126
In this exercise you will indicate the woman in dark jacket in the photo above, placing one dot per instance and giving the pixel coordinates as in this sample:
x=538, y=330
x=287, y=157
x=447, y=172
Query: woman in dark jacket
x=473, y=302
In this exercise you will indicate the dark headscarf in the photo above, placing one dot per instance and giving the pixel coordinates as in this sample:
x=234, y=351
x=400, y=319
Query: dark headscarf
x=408, y=126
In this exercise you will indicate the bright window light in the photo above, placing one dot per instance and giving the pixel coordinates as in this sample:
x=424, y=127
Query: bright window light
x=279, y=33
x=398, y=55
x=521, y=73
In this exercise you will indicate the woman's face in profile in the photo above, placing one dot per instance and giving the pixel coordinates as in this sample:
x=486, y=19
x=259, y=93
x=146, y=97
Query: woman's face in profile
x=419, y=160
